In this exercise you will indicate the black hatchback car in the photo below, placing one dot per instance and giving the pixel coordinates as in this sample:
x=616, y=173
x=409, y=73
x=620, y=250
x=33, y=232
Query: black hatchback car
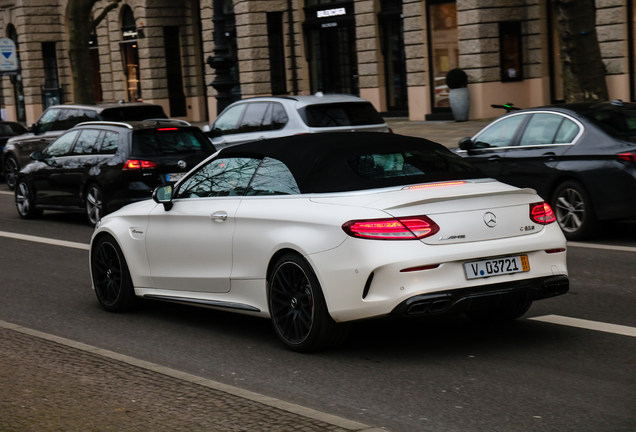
x=59, y=118
x=98, y=167
x=580, y=157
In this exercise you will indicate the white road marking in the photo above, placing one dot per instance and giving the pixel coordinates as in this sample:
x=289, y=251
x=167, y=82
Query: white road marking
x=6, y=193
x=85, y=246
x=601, y=246
x=45, y=240
x=589, y=325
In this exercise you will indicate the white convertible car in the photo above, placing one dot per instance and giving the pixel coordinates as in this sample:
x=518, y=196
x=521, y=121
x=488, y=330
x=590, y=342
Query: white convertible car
x=316, y=231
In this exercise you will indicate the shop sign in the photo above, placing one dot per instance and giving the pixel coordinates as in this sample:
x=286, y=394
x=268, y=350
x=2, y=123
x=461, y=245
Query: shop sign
x=8, y=57
x=331, y=13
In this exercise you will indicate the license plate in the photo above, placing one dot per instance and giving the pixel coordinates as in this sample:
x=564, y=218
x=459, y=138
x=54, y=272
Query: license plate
x=173, y=177
x=498, y=266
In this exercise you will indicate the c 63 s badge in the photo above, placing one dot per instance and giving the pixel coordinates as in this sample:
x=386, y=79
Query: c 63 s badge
x=453, y=237
x=527, y=228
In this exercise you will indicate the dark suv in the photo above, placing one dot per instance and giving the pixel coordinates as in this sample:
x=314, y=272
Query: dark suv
x=59, y=118
x=98, y=167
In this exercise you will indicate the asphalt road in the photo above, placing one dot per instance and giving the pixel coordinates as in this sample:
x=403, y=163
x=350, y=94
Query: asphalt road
x=434, y=375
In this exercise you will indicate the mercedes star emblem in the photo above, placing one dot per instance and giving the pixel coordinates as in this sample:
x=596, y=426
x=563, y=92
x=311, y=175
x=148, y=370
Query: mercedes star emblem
x=181, y=164
x=490, y=219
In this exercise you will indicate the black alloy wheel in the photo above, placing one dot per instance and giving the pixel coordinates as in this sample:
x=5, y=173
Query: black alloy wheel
x=573, y=209
x=24, y=201
x=11, y=170
x=95, y=205
x=111, y=277
x=298, y=309
x=508, y=310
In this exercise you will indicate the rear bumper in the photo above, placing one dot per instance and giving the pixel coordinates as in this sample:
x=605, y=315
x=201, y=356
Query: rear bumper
x=463, y=299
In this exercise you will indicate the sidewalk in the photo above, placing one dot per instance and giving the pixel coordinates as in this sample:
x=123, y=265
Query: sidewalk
x=53, y=384
x=447, y=133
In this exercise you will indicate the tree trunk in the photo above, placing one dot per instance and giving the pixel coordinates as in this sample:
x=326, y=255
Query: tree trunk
x=583, y=68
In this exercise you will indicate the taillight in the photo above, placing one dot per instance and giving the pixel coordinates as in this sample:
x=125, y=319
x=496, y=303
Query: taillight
x=167, y=129
x=628, y=157
x=135, y=164
x=542, y=213
x=406, y=228
x=390, y=130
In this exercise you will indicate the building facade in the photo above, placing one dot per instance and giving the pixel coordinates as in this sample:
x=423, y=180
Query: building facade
x=395, y=53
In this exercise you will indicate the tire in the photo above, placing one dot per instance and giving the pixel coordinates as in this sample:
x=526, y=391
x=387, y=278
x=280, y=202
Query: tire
x=574, y=211
x=10, y=169
x=111, y=277
x=505, y=312
x=95, y=204
x=298, y=309
x=24, y=201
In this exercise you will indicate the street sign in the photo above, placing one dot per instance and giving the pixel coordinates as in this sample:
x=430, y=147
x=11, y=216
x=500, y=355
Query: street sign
x=8, y=57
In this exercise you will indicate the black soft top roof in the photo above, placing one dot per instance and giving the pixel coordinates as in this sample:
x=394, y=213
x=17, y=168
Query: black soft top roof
x=318, y=161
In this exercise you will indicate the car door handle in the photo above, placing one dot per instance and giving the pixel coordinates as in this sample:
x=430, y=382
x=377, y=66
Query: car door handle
x=219, y=216
x=549, y=155
x=494, y=158
x=261, y=138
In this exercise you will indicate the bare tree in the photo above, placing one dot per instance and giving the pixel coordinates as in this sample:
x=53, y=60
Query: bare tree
x=80, y=24
x=583, y=68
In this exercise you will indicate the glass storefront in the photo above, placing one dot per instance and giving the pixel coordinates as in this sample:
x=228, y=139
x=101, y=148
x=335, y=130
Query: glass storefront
x=331, y=47
x=444, y=48
x=392, y=33
x=130, y=55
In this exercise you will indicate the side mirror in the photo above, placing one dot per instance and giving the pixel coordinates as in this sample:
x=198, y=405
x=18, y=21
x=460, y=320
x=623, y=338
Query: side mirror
x=37, y=156
x=31, y=127
x=466, y=143
x=163, y=195
x=206, y=128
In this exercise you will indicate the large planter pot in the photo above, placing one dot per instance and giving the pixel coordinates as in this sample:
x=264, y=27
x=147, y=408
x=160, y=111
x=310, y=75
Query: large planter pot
x=460, y=103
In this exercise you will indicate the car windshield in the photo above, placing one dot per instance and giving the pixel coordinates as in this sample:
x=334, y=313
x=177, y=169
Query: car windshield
x=617, y=122
x=341, y=114
x=169, y=141
x=408, y=163
x=132, y=113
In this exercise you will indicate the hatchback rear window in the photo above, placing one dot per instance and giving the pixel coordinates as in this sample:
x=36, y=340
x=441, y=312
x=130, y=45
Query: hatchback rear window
x=409, y=163
x=132, y=113
x=341, y=114
x=169, y=141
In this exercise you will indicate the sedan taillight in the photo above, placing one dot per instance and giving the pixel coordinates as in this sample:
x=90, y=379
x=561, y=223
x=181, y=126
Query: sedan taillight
x=542, y=213
x=405, y=228
x=628, y=157
x=135, y=164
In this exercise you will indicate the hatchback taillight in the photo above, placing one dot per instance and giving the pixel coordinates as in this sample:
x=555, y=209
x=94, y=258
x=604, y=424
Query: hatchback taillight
x=628, y=157
x=135, y=164
x=404, y=228
x=542, y=213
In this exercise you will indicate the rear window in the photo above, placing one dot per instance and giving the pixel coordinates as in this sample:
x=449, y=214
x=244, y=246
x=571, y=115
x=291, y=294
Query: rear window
x=431, y=163
x=170, y=141
x=132, y=113
x=618, y=122
x=341, y=114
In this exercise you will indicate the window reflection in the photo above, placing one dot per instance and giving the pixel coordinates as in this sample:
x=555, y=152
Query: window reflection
x=273, y=178
x=220, y=177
